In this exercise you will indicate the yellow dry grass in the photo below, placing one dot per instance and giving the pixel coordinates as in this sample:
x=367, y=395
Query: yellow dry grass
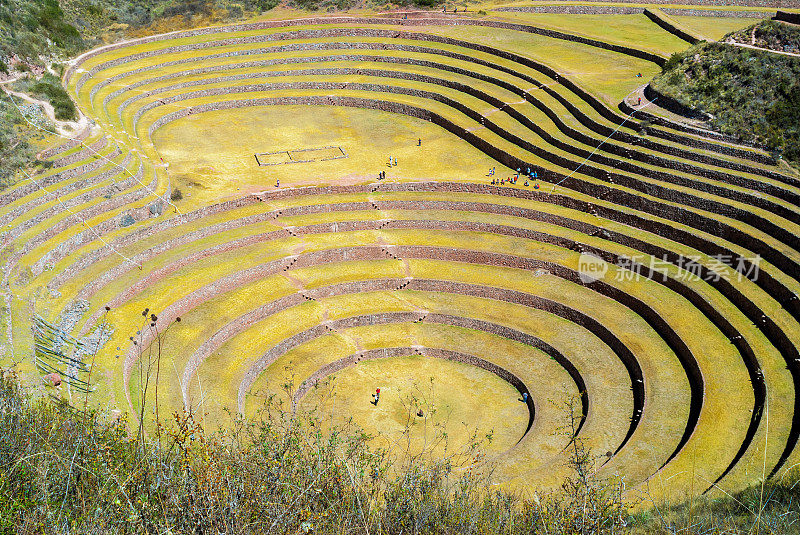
x=212, y=155
x=211, y=158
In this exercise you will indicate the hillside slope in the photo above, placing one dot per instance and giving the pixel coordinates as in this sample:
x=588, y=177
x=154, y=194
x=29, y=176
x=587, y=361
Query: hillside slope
x=751, y=94
x=770, y=34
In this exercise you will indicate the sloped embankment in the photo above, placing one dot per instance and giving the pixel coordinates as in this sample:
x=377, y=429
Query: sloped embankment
x=751, y=94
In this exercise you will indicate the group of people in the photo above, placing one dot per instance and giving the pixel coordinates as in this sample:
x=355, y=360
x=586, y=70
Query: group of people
x=530, y=174
x=513, y=180
x=391, y=163
x=503, y=181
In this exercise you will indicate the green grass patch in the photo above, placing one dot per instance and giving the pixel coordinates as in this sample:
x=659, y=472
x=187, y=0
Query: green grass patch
x=712, y=28
x=635, y=30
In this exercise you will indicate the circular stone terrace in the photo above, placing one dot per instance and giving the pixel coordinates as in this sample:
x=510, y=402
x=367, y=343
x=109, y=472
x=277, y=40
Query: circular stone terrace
x=301, y=276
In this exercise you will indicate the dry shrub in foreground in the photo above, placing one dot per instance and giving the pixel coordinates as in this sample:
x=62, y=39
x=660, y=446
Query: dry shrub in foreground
x=64, y=471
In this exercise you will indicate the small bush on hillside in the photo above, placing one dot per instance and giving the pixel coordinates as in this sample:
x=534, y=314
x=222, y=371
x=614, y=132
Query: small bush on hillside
x=50, y=17
x=49, y=88
x=16, y=151
x=784, y=117
x=186, y=8
x=266, y=5
x=770, y=34
x=127, y=220
x=674, y=60
x=34, y=28
x=235, y=11
x=176, y=195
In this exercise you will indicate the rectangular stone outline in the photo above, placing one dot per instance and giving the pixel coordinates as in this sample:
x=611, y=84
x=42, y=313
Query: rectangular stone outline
x=291, y=160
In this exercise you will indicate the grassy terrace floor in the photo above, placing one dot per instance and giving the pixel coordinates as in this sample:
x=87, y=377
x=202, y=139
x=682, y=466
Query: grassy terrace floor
x=128, y=101
x=525, y=155
x=282, y=284
x=712, y=27
x=218, y=313
x=621, y=29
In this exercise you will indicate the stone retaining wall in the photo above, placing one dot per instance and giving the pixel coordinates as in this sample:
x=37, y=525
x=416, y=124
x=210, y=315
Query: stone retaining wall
x=362, y=20
x=63, y=190
x=111, y=192
x=248, y=320
x=669, y=103
x=683, y=12
x=87, y=151
x=669, y=163
x=409, y=317
x=711, y=134
x=55, y=150
x=85, y=236
x=601, y=108
x=395, y=352
x=289, y=192
x=357, y=32
x=692, y=296
x=143, y=233
x=62, y=206
x=576, y=10
x=493, y=293
x=670, y=27
x=765, y=281
x=792, y=18
x=32, y=186
x=616, y=196
x=707, y=309
x=369, y=252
